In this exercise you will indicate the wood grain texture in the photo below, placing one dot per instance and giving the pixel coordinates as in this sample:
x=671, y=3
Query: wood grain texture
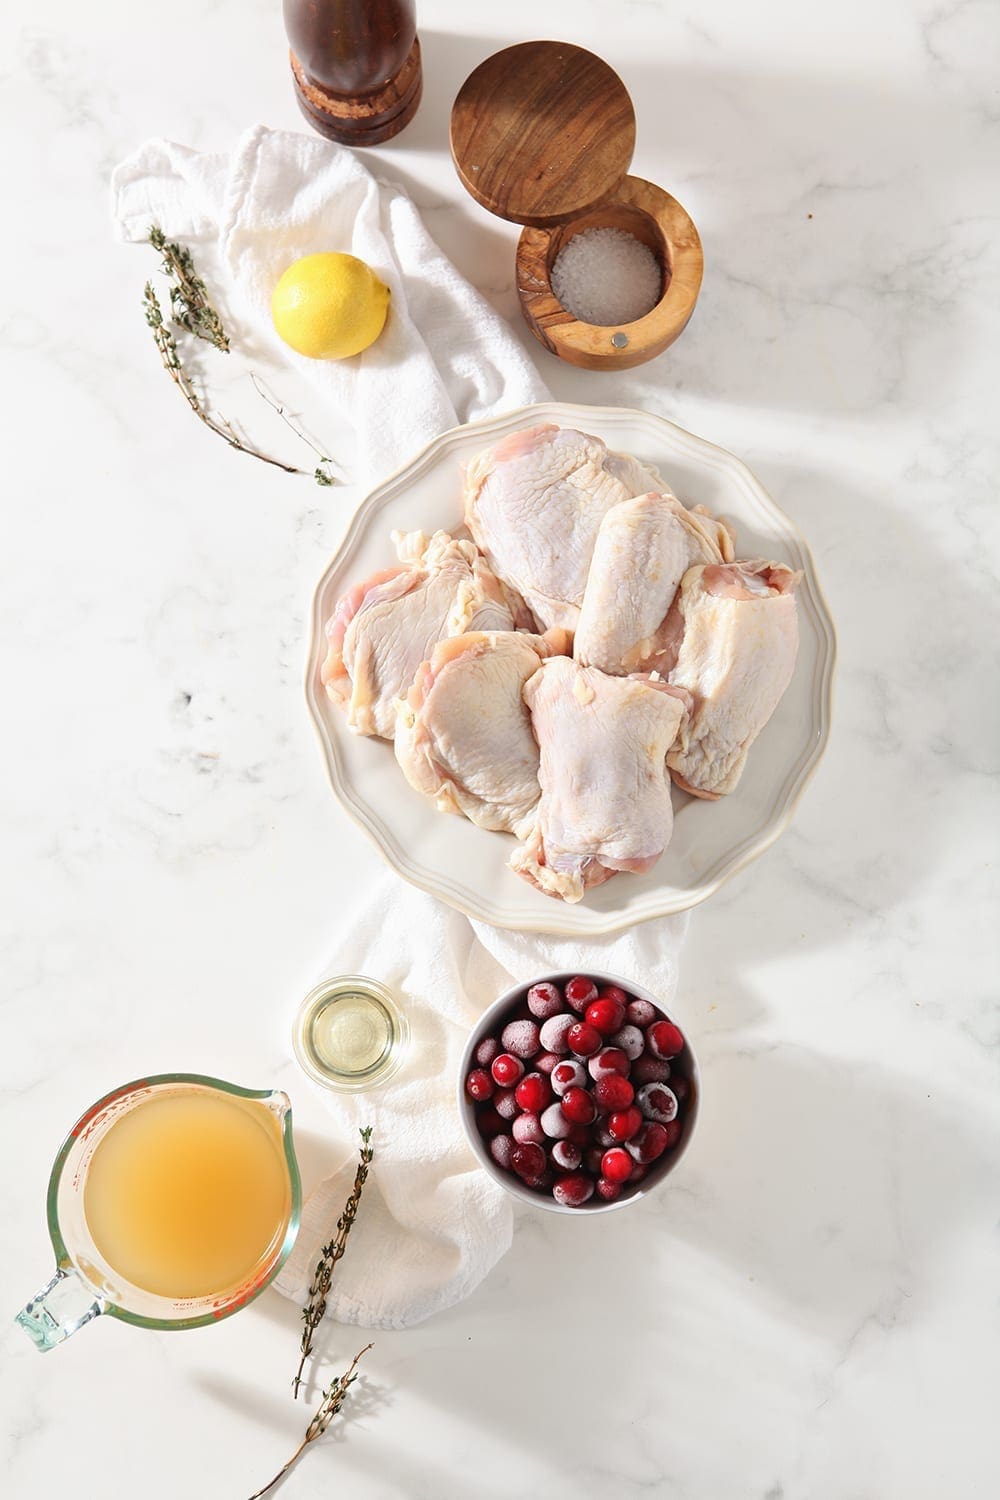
x=369, y=118
x=653, y=216
x=542, y=132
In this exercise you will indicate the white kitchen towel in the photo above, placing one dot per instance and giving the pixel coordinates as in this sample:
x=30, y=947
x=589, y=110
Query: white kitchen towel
x=445, y=356
x=432, y=1223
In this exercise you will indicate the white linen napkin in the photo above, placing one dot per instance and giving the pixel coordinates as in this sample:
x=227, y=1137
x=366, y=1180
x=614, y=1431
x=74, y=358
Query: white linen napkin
x=431, y=1224
x=444, y=358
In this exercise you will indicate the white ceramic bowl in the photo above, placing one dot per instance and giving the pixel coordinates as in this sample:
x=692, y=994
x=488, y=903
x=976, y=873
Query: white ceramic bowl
x=490, y=1022
x=466, y=866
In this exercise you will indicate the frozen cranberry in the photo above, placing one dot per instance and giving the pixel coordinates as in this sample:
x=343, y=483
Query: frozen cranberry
x=573, y=1189
x=647, y=1069
x=539, y=1184
x=625, y=1123
x=533, y=1092
x=566, y=1155
x=607, y=1015
x=507, y=1070
x=505, y=1104
x=479, y=1084
x=521, y=1038
x=631, y=1040
x=555, y=1123
x=553, y=1032
x=639, y=1171
x=579, y=992
x=641, y=1013
x=608, y=1060
x=501, y=1147
x=544, y=1000
x=545, y=1062
x=613, y=1093
x=616, y=1165
x=528, y=1160
x=613, y=992
x=657, y=1102
x=583, y=1039
x=673, y=1133
x=609, y=1191
x=602, y=1135
x=664, y=1040
x=487, y=1051
x=680, y=1087
x=568, y=1074
x=578, y=1106
x=650, y=1143
x=527, y=1130
x=488, y=1122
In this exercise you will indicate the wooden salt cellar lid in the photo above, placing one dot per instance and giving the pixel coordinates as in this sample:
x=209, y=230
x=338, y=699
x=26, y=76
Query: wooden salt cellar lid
x=542, y=134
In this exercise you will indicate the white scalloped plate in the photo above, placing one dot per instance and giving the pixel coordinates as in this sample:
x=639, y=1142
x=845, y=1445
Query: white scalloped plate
x=467, y=866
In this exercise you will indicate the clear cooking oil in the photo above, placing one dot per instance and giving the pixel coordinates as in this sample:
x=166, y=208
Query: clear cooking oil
x=350, y=1034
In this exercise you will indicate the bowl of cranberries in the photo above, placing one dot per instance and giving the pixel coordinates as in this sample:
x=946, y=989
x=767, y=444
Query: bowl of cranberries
x=578, y=1092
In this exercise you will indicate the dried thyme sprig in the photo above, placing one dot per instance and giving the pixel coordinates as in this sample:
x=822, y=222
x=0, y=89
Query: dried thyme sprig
x=322, y=473
x=333, y=1400
x=189, y=304
x=313, y=1312
x=191, y=310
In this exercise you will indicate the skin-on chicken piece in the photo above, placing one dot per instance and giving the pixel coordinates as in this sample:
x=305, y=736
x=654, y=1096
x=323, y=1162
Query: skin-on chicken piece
x=383, y=628
x=463, y=733
x=736, y=635
x=605, y=802
x=534, y=504
x=643, y=549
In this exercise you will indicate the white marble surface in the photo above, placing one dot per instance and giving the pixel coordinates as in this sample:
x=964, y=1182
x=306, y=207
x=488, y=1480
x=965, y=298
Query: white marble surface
x=810, y=1312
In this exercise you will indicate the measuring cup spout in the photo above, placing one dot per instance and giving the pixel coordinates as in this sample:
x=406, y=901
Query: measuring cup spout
x=59, y=1309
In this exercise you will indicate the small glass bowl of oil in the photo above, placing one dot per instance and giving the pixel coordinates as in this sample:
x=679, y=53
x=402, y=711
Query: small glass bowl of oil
x=350, y=1034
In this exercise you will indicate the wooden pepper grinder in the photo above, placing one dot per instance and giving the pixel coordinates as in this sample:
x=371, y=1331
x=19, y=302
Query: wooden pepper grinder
x=356, y=66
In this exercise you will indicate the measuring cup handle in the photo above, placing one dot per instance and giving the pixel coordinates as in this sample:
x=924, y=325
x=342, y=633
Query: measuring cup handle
x=59, y=1309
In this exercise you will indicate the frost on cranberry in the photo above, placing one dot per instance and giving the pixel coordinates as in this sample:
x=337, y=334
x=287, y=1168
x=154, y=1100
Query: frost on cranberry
x=521, y=1038
x=528, y=1161
x=566, y=1156
x=608, y=1060
x=487, y=1051
x=544, y=1062
x=527, y=1130
x=568, y=1074
x=664, y=1040
x=573, y=1189
x=579, y=992
x=501, y=1147
x=544, y=1001
x=648, y=1069
x=609, y=1191
x=602, y=1135
x=555, y=1123
x=505, y=1104
x=631, y=1041
x=650, y=1143
x=553, y=1032
x=640, y=1013
x=657, y=1102
x=534, y=1092
x=479, y=1085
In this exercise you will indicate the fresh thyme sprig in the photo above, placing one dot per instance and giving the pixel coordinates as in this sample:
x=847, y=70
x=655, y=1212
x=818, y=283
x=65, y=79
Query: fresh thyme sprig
x=333, y=1400
x=313, y=1312
x=321, y=474
x=191, y=310
x=189, y=304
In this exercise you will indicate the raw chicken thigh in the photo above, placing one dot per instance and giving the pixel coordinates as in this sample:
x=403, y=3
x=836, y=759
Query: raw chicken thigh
x=736, y=634
x=382, y=629
x=463, y=733
x=534, y=505
x=605, y=802
x=644, y=547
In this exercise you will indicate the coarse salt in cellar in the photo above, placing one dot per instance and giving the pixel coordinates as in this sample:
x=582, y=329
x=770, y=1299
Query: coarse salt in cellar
x=606, y=276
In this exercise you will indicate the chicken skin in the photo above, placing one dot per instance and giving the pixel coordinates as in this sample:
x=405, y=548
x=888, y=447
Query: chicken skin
x=734, y=631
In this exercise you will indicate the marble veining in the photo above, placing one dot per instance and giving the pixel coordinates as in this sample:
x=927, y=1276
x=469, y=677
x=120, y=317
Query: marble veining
x=809, y=1311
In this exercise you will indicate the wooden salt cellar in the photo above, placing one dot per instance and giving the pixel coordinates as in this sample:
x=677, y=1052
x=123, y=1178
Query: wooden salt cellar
x=542, y=134
x=356, y=66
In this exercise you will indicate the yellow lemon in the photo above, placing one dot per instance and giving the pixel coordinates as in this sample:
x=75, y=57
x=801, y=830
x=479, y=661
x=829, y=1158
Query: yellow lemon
x=329, y=306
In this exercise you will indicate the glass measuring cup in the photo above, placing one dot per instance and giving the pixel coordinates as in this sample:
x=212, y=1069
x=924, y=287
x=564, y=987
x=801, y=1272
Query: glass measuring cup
x=85, y=1284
